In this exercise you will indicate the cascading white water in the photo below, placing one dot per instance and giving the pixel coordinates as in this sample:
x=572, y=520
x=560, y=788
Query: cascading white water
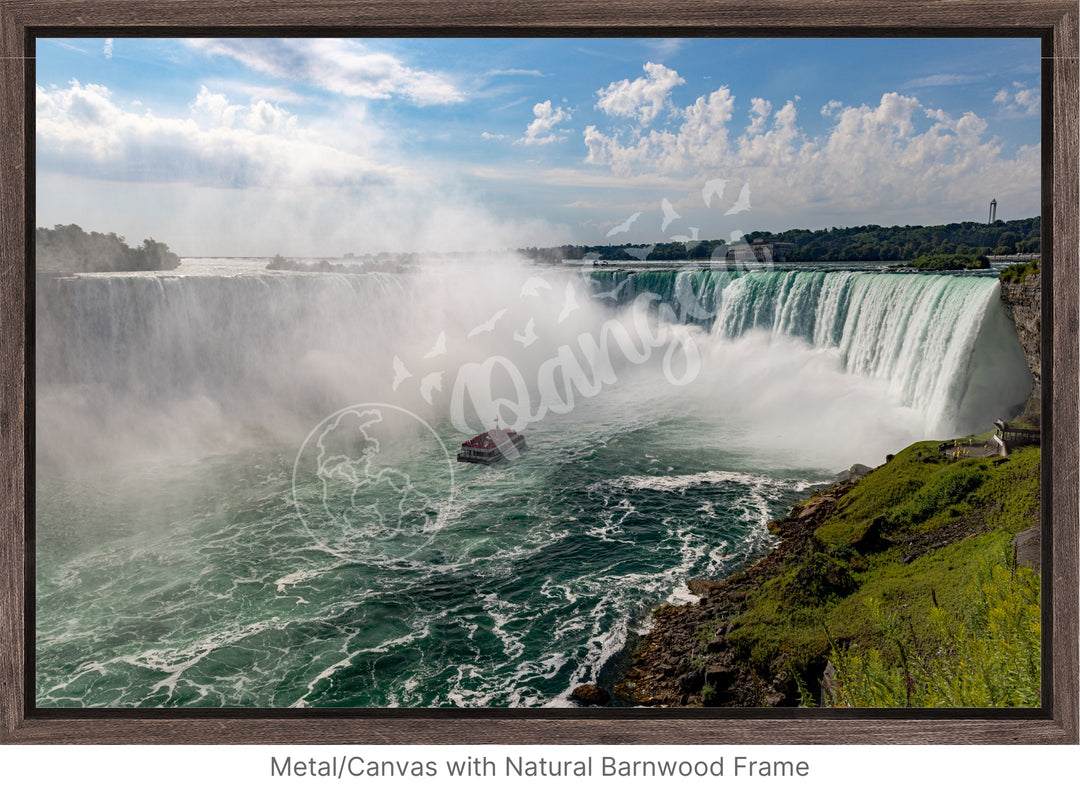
x=941, y=343
x=927, y=336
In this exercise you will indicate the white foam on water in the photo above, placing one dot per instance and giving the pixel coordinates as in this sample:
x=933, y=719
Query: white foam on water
x=299, y=576
x=679, y=483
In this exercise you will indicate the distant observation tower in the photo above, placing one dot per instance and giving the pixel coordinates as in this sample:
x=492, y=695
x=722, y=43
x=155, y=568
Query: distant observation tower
x=993, y=211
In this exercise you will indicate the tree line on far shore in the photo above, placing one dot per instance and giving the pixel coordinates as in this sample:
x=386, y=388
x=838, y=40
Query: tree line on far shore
x=69, y=248
x=899, y=243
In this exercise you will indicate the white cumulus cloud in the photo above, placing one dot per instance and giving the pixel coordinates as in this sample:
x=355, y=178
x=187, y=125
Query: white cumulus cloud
x=1019, y=100
x=82, y=131
x=896, y=154
x=641, y=99
x=700, y=140
x=546, y=117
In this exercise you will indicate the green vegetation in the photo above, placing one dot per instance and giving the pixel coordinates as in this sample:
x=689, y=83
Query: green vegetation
x=906, y=243
x=1015, y=273
x=888, y=587
x=940, y=262
x=662, y=251
x=986, y=654
x=279, y=261
x=396, y=264
x=900, y=244
x=68, y=248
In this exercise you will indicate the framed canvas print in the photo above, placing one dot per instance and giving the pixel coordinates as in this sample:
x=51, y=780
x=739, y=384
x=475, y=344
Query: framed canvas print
x=466, y=376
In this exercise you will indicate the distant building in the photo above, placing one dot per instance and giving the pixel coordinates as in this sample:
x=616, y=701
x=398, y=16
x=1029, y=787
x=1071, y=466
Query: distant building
x=778, y=250
x=993, y=211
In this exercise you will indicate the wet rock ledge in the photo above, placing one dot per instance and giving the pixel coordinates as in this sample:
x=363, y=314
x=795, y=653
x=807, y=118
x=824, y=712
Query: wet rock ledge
x=1023, y=305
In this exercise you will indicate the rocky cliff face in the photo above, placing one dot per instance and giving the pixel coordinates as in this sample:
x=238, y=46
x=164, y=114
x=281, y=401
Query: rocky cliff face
x=677, y=658
x=1023, y=304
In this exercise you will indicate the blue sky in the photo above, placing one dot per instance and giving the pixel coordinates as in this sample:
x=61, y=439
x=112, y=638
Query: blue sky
x=322, y=146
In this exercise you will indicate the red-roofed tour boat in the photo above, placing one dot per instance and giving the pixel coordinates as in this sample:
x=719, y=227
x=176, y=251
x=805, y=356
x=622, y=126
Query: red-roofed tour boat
x=493, y=446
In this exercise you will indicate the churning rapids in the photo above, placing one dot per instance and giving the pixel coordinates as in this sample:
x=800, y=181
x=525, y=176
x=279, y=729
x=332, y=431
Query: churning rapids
x=245, y=492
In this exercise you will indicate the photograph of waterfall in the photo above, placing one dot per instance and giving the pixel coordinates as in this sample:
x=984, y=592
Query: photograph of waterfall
x=537, y=373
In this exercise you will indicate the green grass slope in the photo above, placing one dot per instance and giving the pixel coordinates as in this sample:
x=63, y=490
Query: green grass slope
x=909, y=589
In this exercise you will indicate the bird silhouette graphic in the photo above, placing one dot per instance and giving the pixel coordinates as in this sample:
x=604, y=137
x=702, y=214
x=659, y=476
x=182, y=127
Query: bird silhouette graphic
x=431, y=382
x=569, y=303
x=640, y=253
x=742, y=203
x=401, y=374
x=714, y=187
x=529, y=336
x=532, y=286
x=439, y=348
x=625, y=226
x=670, y=214
x=488, y=326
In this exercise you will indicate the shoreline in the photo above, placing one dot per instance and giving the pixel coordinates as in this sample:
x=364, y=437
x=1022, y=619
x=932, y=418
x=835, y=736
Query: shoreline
x=662, y=669
x=766, y=636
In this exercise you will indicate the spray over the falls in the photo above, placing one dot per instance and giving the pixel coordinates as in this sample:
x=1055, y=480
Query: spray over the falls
x=145, y=362
x=941, y=343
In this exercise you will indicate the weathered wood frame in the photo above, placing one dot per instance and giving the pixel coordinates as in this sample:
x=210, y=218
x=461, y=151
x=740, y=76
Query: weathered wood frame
x=1053, y=21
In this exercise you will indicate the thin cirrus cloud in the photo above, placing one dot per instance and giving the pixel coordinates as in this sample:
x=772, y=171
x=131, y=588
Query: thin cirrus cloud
x=253, y=91
x=941, y=79
x=532, y=73
x=81, y=130
x=665, y=48
x=336, y=65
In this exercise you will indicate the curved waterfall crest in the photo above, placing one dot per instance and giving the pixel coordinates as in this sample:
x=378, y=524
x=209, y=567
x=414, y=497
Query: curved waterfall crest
x=935, y=339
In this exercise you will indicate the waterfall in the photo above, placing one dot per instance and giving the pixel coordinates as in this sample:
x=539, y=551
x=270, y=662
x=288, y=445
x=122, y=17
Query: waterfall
x=157, y=334
x=941, y=342
x=146, y=360
x=211, y=352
